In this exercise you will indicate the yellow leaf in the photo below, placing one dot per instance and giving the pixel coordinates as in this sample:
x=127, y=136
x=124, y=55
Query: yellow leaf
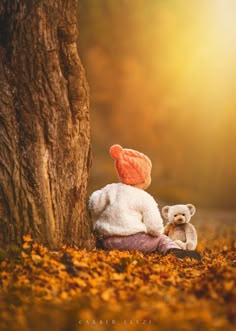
x=106, y=295
x=64, y=295
x=116, y=276
x=229, y=285
x=36, y=258
x=123, y=295
x=27, y=238
x=94, y=291
x=80, y=264
x=80, y=282
x=26, y=245
x=24, y=255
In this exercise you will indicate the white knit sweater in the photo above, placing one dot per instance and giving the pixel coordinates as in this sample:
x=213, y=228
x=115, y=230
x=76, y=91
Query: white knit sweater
x=122, y=210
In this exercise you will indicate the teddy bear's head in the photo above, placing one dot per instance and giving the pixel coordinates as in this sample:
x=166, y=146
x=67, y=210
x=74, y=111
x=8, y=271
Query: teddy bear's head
x=178, y=214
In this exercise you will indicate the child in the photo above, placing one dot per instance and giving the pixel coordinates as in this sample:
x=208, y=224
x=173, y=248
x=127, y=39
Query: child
x=127, y=217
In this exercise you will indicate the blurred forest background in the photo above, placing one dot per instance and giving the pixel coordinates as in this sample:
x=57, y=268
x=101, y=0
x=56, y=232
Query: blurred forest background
x=162, y=75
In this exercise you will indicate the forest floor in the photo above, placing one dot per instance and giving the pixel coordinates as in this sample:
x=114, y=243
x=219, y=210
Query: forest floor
x=74, y=290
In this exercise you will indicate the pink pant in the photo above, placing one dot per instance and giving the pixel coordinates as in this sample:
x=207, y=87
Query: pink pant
x=140, y=241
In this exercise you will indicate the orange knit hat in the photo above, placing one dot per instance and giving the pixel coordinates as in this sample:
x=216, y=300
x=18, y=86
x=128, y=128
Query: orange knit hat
x=132, y=167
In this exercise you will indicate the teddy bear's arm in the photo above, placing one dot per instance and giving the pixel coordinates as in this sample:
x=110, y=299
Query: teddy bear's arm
x=167, y=229
x=191, y=237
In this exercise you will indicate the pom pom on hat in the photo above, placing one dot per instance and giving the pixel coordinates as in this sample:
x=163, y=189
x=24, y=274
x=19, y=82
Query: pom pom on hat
x=116, y=151
x=132, y=166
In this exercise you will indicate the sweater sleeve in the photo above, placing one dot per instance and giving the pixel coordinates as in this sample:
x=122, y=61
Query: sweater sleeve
x=97, y=202
x=152, y=218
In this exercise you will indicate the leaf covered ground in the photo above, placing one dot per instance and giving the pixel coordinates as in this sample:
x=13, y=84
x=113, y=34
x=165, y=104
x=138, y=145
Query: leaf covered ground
x=75, y=289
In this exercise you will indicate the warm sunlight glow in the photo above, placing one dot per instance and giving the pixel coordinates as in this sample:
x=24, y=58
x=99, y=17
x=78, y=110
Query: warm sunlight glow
x=207, y=62
x=164, y=82
x=225, y=20
x=219, y=37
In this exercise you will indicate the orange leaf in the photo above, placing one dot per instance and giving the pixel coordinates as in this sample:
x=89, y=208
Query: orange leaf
x=27, y=238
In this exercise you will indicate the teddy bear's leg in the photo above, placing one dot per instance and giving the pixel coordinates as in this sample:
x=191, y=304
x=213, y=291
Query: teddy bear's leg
x=190, y=245
x=180, y=244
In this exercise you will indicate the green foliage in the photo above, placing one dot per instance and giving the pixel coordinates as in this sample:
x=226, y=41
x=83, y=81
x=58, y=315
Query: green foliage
x=3, y=254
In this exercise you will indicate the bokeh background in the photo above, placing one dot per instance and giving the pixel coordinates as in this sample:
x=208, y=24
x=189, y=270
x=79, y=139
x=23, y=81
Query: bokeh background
x=162, y=76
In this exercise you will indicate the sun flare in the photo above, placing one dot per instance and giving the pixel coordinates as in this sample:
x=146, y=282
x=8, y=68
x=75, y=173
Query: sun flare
x=204, y=53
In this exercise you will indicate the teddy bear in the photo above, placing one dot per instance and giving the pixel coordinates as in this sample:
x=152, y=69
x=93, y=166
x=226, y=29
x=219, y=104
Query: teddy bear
x=178, y=227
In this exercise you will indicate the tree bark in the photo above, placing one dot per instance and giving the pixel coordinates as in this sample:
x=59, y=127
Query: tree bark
x=44, y=125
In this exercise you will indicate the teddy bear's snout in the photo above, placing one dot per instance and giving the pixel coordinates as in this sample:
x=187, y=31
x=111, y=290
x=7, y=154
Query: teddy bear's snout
x=179, y=219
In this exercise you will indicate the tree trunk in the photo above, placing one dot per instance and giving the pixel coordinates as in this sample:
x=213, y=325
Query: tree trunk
x=44, y=125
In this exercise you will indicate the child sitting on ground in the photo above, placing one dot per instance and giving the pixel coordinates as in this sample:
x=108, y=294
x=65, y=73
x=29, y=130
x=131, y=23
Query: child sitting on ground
x=127, y=217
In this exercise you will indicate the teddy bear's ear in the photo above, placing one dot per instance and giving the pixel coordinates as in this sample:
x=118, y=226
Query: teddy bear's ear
x=191, y=208
x=165, y=211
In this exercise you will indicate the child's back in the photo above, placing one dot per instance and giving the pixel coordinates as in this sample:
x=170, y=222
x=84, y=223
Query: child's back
x=124, y=210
